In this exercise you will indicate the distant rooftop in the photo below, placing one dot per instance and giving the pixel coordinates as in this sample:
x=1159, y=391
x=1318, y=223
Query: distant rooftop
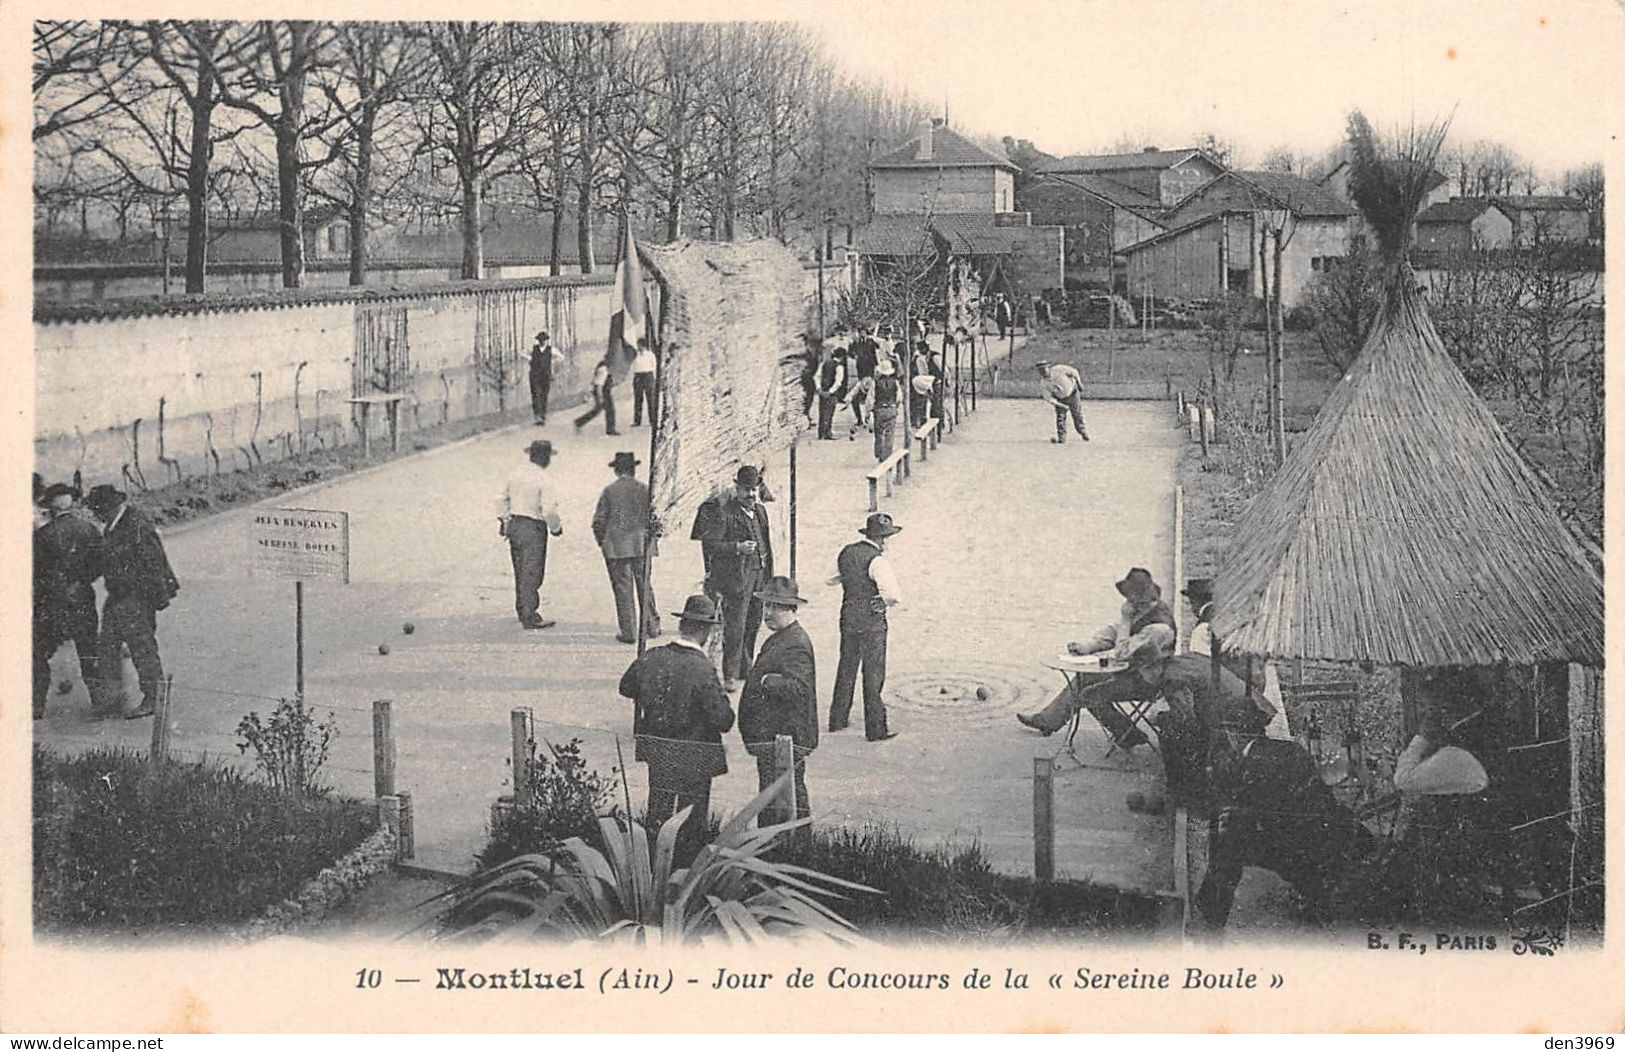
x=939, y=146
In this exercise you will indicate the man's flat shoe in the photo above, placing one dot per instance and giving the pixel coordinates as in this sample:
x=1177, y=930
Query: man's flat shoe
x=626, y=639
x=836, y=730
x=540, y=622
x=1029, y=721
x=1057, y=441
x=888, y=736
x=141, y=713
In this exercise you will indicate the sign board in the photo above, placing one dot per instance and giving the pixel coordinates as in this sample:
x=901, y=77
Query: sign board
x=300, y=544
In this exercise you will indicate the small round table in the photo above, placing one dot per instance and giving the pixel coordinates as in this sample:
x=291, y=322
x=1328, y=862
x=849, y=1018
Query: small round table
x=1085, y=671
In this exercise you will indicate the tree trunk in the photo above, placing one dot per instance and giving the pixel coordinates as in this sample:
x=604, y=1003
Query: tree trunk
x=361, y=199
x=473, y=238
x=674, y=199
x=290, y=211
x=197, y=183
x=584, y=253
x=555, y=259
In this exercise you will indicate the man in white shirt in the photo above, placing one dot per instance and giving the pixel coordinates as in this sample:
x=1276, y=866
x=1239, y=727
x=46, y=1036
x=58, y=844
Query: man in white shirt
x=1064, y=388
x=529, y=512
x=868, y=587
x=643, y=385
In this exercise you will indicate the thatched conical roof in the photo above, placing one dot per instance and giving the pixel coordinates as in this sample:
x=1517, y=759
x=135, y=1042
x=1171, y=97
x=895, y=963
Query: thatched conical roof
x=1405, y=529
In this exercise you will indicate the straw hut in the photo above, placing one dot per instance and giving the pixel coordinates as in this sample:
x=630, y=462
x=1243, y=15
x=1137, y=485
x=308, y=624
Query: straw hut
x=1405, y=530
x=732, y=320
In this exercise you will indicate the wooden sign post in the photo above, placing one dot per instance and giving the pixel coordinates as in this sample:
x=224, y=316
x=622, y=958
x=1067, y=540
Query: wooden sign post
x=304, y=545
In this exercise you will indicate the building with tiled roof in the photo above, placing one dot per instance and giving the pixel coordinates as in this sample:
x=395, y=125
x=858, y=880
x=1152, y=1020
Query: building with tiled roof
x=1545, y=218
x=939, y=170
x=1100, y=217
x=1463, y=223
x=1165, y=176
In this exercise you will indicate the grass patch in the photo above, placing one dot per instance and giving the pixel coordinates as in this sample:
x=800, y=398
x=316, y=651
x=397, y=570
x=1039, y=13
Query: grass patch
x=119, y=843
x=952, y=891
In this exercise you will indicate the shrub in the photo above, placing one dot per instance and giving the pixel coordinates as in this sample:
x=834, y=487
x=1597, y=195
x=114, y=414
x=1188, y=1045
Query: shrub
x=290, y=747
x=119, y=842
x=1299, y=319
x=556, y=797
x=952, y=890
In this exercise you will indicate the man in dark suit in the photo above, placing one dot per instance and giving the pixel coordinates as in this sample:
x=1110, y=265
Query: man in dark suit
x=621, y=525
x=738, y=557
x=868, y=587
x=781, y=696
x=541, y=376
x=679, y=716
x=139, y=583
x=67, y=561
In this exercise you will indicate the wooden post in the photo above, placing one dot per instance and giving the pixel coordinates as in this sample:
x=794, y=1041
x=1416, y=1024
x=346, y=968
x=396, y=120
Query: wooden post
x=408, y=842
x=784, y=762
x=383, y=749
x=793, y=444
x=874, y=493
x=389, y=813
x=519, y=733
x=299, y=640
x=159, y=751
x=1201, y=427
x=1043, y=818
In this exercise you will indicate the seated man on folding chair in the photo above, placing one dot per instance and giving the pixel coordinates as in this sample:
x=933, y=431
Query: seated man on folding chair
x=1191, y=729
x=1144, y=636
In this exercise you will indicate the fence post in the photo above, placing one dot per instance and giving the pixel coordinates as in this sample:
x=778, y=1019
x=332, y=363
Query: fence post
x=1043, y=818
x=159, y=751
x=519, y=732
x=409, y=838
x=1201, y=425
x=874, y=493
x=383, y=749
x=389, y=813
x=784, y=762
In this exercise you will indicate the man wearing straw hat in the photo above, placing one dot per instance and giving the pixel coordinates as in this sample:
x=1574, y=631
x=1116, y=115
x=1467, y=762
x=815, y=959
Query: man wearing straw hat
x=529, y=512
x=139, y=582
x=868, y=587
x=781, y=695
x=738, y=550
x=888, y=396
x=679, y=715
x=621, y=526
x=1144, y=636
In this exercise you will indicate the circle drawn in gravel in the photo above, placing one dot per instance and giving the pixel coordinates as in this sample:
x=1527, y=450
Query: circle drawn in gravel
x=951, y=693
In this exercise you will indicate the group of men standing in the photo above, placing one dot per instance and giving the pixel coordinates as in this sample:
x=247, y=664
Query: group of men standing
x=863, y=372
x=71, y=552
x=681, y=708
x=542, y=360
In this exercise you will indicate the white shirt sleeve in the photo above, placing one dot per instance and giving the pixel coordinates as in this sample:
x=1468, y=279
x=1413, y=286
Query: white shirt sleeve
x=885, y=579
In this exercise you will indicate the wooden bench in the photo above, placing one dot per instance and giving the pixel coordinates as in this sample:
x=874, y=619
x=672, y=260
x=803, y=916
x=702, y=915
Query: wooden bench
x=892, y=470
x=927, y=433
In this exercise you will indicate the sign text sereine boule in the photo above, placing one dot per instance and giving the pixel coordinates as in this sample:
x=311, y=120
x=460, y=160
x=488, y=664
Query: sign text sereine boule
x=300, y=544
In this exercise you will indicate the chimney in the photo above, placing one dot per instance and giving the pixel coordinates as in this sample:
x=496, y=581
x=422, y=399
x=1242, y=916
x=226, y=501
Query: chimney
x=939, y=122
x=922, y=151
x=1150, y=149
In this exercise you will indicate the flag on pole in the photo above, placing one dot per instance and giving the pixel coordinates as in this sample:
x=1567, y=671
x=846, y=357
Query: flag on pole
x=627, y=324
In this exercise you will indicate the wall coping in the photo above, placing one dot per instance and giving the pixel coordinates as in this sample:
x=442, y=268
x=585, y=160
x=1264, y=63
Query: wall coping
x=53, y=312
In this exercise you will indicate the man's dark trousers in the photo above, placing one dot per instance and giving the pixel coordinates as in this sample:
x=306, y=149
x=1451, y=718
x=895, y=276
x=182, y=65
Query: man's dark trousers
x=602, y=402
x=863, y=649
x=643, y=394
x=670, y=792
x=826, y=415
x=56, y=625
x=626, y=579
x=527, y=544
x=129, y=620
x=540, y=385
x=741, y=620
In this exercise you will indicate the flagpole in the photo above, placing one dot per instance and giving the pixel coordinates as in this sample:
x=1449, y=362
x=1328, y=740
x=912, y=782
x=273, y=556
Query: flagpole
x=657, y=416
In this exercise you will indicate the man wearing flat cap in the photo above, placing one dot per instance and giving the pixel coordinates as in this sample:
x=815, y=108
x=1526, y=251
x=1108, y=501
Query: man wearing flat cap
x=781, y=695
x=679, y=715
x=67, y=561
x=738, y=558
x=529, y=512
x=1144, y=636
x=868, y=588
x=139, y=582
x=621, y=525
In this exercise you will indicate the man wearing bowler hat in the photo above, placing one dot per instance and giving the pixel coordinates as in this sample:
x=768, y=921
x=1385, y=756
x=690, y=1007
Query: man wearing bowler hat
x=679, y=715
x=1144, y=636
x=67, y=561
x=139, y=583
x=622, y=525
x=541, y=376
x=528, y=511
x=868, y=588
x=738, y=557
x=781, y=695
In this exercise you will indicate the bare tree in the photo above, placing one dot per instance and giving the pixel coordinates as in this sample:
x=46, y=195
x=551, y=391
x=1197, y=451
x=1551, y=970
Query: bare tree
x=476, y=115
x=377, y=67
x=678, y=53
x=1585, y=184
x=77, y=67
